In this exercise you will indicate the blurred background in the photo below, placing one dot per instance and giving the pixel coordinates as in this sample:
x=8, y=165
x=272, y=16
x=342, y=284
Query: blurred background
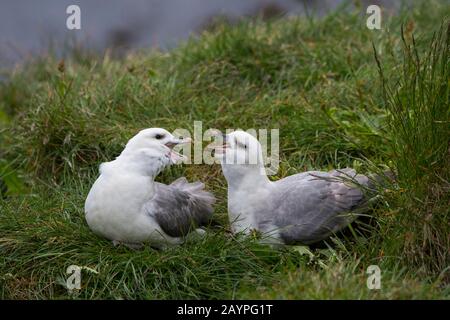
x=29, y=28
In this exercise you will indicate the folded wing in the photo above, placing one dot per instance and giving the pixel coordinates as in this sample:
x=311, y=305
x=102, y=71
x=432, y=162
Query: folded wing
x=180, y=207
x=311, y=207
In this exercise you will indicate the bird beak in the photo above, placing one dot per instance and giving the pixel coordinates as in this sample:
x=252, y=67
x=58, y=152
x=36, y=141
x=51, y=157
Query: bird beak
x=174, y=156
x=221, y=149
x=174, y=141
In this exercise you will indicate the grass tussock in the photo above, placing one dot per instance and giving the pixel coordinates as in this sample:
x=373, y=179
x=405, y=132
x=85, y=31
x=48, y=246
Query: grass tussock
x=419, y=122
x=318, y=80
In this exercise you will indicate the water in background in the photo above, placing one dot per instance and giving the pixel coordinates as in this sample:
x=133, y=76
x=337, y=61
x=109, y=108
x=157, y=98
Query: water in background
x=29, y=28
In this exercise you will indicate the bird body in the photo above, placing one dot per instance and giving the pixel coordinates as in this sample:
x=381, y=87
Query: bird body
x=302, y=208
x=127, y=206
x=115, y=206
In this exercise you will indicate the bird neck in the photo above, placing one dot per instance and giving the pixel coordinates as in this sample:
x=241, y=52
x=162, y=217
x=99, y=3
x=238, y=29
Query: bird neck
x=245, y=177
x=137, y=164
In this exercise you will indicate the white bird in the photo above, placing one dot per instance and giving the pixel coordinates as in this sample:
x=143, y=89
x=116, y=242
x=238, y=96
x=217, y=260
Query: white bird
x=303, y=208
x=127, y=206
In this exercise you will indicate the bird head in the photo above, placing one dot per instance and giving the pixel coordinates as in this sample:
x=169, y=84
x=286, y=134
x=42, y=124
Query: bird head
x=156, y=143
x=240, y=155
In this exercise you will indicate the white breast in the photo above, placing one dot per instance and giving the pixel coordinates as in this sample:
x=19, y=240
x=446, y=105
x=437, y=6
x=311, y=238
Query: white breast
x=114, y=207
x=243, y=207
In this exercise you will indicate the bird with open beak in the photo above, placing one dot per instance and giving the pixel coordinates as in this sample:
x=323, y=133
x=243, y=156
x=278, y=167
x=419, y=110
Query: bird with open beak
x=127, y=206
x=302, y=208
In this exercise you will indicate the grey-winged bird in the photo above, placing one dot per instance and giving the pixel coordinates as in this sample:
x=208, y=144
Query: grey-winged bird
x=302, y=208
x=127, y=206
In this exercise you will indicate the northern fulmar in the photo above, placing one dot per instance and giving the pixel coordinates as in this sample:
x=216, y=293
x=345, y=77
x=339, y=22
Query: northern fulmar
x=127, y=206
x=302, y=208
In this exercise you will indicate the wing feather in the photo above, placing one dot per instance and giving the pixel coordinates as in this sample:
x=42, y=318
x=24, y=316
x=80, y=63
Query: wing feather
x=180, y=207
x=312, y=207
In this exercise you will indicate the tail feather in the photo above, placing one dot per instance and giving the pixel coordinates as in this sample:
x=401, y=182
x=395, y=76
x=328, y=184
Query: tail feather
x=371, y=181
x=179, y=182
x=202, y=201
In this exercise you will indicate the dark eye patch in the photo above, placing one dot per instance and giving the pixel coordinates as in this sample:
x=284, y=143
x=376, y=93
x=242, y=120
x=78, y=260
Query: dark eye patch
x=240, y=144
x=159, y=136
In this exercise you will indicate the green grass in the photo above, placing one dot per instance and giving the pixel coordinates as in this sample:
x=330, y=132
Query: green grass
x=319, y=81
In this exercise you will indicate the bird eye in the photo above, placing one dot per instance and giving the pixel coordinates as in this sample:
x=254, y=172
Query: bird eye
x=159, y=136
x=242, y=145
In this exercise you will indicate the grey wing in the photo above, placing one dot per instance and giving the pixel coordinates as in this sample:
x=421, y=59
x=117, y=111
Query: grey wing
x=310, y=208
x=180, y=207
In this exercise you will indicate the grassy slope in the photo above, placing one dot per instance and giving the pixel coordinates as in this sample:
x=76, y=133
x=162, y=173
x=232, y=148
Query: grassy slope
x=316, y=80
